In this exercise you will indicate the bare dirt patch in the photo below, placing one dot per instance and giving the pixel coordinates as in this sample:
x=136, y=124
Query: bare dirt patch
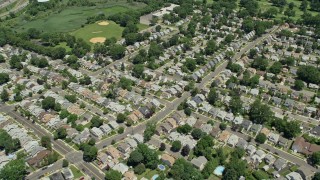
x=103, y=23
x=96, y=32
x=98, y=40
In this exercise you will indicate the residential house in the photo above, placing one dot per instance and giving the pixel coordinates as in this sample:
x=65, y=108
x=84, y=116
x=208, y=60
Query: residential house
x=282, y=141
x=255, y=128
x=129, y=175
x=233, y=140
x=113, y=152
x=242, y=143
x=246, y=124
x=199, y=162
x=294, y=176
x=279, y=164
x=315, y=131
x=122, y=168
x=124, y=147
x=224, y=136
x=302, y=146
x=269, y=159
x=147, y=113
x=67, y=173
x=97, y=132
x=251, y=149
x=273, y=137
x=167, y=159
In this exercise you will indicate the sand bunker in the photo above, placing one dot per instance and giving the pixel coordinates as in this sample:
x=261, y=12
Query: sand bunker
x=96, y=32
x=98, y=40
x=103, y=23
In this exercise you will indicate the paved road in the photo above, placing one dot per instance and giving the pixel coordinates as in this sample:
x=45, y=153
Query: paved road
x=73, y=156
x=252, y=44
x=47, y=170
x=170, y=107
x=15, y=9
x=266, y=147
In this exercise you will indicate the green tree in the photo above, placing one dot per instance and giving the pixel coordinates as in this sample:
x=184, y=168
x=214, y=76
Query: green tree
x=260, y=113
x=298, y=85
x=137, y=70
x=139, y=169
x=121, y=118
x=191, y=64
x=89, y=153
x=162, y=147
x=309, y=74
x=188, y=111
x=48, y=103
x=183, y=170
x=184, y=129
x=71, y=98
x=135, y=158
x=316, y=176
x=2, y=59
x=185, y=150
x=236, y=105
x=4, y=78
x=229, y=174
x=261, y=138
x=96, y=121
x=15, y=169
x=113, y=175
x=209, y=168
x=65, y=163
x=223, y=126
x=204, y=145
x=121, y=130
x=211, y=47
x=176, y=146
x=260, y=63
x=212, y=96
x=64, y=114
x=149, y=131
x=61, y=133
x=197, y=133
x=4, y=95
x=117, y=51
x=315, y=158
x=46, y=142
x=276, y=68
x=292, y=129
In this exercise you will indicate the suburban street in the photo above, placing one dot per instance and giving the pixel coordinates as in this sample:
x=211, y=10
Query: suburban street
x=266, y=147
x=73, y=156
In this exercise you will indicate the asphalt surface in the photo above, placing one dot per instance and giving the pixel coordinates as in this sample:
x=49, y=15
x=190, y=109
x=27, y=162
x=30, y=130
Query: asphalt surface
x=73, y=156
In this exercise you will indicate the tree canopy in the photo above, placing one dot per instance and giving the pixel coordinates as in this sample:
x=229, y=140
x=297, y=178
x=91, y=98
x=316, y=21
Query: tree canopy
x=184, y=170
x=14, y=169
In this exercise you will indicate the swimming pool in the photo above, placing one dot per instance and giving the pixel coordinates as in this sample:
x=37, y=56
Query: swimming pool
x=161, y=167
x=219, y=170
x=154, y=177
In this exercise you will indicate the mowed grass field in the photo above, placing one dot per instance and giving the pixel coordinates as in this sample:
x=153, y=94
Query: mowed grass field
x=72, y=18
x=95, y=30
x=265, y=4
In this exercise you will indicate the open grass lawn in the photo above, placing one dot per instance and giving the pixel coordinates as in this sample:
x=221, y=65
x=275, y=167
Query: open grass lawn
x=148, y=174
x=64, y=45
x=265, y=4
x=96, y=30
x=76, y=172
x=71, y=18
